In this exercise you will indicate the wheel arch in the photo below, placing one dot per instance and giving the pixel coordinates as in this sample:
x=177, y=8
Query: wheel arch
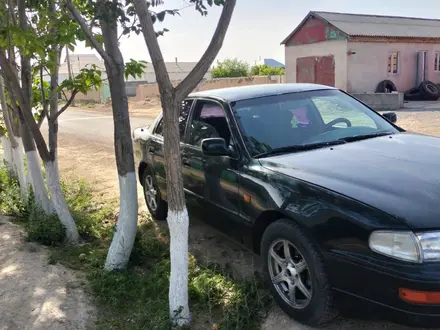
x=141, y=170
x=262, y=222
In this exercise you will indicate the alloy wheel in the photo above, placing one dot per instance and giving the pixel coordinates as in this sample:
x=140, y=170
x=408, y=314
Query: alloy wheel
x=290, y=274
x=150, y=193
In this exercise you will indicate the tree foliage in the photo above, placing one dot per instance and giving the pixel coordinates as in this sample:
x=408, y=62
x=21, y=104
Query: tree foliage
x=266, y=70
x=230, y=68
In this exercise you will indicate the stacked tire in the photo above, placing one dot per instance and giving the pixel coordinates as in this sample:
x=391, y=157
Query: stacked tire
x=386, y=86
x=427, y=91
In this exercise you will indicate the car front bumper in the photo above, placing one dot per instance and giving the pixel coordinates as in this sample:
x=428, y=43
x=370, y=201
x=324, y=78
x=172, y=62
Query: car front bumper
x=379, y=280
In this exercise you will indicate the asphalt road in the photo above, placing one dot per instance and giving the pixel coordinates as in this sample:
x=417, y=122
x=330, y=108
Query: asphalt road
x=94, y=126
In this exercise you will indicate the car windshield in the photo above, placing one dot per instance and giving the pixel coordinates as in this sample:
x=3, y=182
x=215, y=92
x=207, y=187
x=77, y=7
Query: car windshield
x=304, y=120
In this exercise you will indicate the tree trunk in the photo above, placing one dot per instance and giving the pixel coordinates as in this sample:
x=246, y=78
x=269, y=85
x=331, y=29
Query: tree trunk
x=7, y=151
x=34, y=170
x=126, y=227
x=15, y=148
x=59, y=203
x=51, y=165
x=178, y=220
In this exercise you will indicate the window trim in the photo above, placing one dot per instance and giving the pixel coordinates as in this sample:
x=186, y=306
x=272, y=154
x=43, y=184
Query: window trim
x=437, y=57
x=160, y=119
x=191, y=118
x=391, y=53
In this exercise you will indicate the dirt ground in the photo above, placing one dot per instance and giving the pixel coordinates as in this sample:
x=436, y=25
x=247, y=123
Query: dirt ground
x=34, y=294
x=149, y=107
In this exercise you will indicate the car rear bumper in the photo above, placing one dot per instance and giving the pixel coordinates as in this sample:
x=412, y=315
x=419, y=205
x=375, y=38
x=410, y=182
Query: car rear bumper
x=379, y=282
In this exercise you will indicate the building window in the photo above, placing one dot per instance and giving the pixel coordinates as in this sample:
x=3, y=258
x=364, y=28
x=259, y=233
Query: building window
x=393, y=62
x=437, y=62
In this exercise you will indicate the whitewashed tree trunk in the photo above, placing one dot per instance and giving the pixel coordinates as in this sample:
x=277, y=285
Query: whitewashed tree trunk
x=7, y=151
x=59, y=202
x=37, y=182
x=178, y=223
x=126, y=227
x=18, y=165
x=171, y=97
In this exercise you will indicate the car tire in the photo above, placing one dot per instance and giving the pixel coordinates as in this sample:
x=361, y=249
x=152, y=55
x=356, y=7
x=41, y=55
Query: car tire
x=320, y=307
x=413, y=94
x=160, y=209
x=429, y=90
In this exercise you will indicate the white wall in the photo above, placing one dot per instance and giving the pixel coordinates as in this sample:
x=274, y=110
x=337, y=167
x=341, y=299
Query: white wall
x=369, y=65
x=337, y=48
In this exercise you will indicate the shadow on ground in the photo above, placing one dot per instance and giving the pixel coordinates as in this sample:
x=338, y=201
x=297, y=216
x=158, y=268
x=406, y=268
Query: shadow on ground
x=33, y=294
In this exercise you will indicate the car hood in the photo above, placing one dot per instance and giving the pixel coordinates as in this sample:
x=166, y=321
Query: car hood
x=398, y=174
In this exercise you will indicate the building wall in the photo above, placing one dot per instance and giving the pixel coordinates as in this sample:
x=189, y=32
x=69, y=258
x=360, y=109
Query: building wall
x=315, y=30
x=151, y=90
x=150, y=77
x=369, y=65
x=337, y=48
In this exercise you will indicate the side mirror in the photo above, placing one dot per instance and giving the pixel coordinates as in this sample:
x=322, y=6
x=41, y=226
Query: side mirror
x=391, y=116
x=215, y=147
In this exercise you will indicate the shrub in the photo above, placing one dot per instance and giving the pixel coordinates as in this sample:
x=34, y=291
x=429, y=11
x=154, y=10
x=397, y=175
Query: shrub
x=230, y=68
x=42, y=228
x=10, y=197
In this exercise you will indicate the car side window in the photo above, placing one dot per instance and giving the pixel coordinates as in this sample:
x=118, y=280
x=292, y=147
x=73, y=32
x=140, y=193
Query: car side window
x=159, y=128
x=209, y=121
x=183, y=118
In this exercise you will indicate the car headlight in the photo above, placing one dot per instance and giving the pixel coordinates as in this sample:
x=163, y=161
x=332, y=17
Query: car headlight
x=430, y=245
x=407, y=246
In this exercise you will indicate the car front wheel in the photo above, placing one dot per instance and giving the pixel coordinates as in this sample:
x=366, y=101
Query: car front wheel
x=295, y=273
x=155, y=204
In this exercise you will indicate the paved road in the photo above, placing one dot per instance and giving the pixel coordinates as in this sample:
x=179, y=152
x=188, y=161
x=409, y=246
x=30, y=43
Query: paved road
x=92, y=125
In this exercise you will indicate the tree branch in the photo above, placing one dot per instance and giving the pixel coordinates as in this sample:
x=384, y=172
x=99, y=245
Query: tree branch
x=68, y=103
x=149, y=33
x=191, y=81
x=76, y=15
x=44, y=102
x=26, y=111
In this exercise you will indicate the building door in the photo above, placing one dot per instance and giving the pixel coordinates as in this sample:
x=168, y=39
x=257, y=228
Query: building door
x=316, y=70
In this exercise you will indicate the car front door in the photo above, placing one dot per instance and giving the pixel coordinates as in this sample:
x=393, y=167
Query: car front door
x=213, y=181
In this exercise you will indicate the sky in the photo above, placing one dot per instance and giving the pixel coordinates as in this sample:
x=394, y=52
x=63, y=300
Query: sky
x=257, y=27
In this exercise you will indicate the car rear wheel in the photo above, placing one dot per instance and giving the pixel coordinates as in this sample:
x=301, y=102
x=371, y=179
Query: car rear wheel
x=155, y=204
x=295, y=273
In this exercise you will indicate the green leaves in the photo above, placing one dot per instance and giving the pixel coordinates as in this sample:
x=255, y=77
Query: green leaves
x=134, y=68
x=230, y=68
x=265, y=70
x=87, y=80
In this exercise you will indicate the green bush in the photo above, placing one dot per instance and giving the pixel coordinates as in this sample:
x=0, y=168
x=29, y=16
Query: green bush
x=44, y=229
x=10, y=196
x=90, y=218
x=230, y=68
x=266, y=70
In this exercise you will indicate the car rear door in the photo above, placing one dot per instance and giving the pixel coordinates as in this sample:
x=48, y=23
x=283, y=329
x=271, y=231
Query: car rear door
x=156, y=147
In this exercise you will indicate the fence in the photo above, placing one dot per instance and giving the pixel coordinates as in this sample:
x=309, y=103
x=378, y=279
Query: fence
x=151, y=90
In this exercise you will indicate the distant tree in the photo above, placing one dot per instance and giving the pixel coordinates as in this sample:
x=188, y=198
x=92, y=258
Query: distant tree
x=230, y=68
x=266, y=70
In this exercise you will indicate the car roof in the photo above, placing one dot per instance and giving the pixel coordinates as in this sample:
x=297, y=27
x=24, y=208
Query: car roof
x=232, y=94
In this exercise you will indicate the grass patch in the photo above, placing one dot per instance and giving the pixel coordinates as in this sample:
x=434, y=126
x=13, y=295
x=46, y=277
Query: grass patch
x=137, y=298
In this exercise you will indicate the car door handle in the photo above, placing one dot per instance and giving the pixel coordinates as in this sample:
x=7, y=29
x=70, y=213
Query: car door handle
x=151, y=150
